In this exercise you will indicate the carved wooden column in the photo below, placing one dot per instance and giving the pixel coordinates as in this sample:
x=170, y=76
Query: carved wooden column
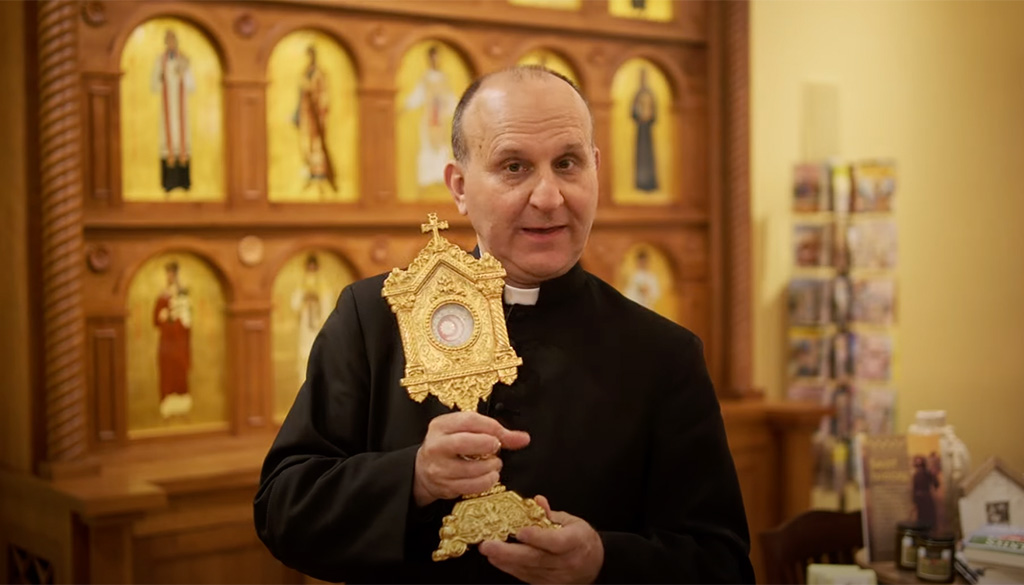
x=62, y=239
x=739, y=368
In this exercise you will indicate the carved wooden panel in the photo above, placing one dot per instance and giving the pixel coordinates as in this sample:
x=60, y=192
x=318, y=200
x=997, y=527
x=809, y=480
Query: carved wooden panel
x=106, y=365
x=246, y=119
x=255, y=371
x=700, y=230
x=103, y=166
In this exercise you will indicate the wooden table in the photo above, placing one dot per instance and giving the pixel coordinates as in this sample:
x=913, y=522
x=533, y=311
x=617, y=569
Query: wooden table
x=889, y=574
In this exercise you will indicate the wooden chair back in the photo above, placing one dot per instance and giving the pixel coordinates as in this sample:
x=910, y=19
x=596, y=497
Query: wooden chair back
x=816, y=536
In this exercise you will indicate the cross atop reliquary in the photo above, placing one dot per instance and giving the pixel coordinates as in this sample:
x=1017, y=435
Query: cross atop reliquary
x=434, y=226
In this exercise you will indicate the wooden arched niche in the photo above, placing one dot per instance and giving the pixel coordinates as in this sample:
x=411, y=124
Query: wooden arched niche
x=312, y=120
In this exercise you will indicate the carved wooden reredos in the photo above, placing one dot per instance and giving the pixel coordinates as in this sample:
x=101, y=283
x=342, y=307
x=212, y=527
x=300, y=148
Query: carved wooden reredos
x=95, y=239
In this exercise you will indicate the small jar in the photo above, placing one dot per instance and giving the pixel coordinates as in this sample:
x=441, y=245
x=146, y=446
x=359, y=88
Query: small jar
x=935, y=558
x=907, y=535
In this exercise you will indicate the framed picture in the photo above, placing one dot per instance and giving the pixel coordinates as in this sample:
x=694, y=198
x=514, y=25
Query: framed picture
x=874, y=186
x=872, y=244
x=872, y=356
x=808, y=356
x=811, y=191
x=812, y=244
x=874, y=301
x=874, y=410
x=810, y=301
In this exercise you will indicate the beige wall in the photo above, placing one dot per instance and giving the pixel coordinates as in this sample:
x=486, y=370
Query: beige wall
x=14, y=319
x=940, y=87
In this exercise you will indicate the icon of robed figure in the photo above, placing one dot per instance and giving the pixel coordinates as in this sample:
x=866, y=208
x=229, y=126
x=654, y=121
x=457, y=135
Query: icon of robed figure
x=172, y=316
x=643, y=284
x=172, y=79
x=644, y=112
x=311, y=305
x=433, y=94
x=311, y=120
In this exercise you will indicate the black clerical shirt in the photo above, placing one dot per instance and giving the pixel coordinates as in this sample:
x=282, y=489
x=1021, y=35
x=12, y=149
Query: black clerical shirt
x=625, y=430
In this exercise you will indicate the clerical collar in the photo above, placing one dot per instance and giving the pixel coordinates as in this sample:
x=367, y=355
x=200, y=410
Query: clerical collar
x=521, y=296
x=552, y=291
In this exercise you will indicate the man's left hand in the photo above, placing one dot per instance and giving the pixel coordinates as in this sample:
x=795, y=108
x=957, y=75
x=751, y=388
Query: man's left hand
x=573, y=553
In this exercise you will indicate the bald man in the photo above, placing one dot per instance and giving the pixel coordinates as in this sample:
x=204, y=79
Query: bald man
x=612, y=423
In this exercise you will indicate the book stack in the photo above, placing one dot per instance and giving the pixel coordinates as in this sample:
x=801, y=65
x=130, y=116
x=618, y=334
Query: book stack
x=996, y=553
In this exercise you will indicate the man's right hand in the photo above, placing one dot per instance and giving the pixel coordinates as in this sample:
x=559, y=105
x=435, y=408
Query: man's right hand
x=459, y=456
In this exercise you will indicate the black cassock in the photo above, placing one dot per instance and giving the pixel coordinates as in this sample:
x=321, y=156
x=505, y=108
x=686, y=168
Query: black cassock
x=625, y=430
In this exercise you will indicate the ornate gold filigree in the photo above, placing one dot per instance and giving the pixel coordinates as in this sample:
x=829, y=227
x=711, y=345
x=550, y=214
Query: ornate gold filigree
x=494, y=514
x=458, y=372
x=461, y=370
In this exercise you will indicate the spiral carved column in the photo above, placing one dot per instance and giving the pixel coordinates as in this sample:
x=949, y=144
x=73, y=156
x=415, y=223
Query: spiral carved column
x=737, y=213
x=62, y=239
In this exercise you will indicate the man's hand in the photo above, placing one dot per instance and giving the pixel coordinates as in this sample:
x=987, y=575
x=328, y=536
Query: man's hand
x=458, y=456
x=573, y=553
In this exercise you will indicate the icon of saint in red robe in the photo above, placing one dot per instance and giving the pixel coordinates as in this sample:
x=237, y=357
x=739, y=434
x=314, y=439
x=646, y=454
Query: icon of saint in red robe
x=172, y=315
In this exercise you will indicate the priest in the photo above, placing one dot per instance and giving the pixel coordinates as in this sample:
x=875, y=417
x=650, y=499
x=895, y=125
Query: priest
x=612, y=423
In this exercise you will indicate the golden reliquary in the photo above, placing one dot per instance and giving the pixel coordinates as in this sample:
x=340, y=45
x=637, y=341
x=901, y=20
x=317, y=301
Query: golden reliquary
x=456, y=345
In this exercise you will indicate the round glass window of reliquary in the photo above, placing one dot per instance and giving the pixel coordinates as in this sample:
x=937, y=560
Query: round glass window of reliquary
x=452, y=325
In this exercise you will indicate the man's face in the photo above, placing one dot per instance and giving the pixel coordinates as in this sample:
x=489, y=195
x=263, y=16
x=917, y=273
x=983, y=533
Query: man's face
x=529, y=184
x=171, y=40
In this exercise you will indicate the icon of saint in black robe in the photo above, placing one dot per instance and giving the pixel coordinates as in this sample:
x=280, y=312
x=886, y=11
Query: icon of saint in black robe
x=645, y=115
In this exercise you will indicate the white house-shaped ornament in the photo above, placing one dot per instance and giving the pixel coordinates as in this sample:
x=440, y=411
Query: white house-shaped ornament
x=992, y=494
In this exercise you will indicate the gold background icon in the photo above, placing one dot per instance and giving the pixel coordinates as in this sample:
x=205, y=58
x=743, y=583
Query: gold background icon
x=206, y=376
x=286, y=171
x=140, y=114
